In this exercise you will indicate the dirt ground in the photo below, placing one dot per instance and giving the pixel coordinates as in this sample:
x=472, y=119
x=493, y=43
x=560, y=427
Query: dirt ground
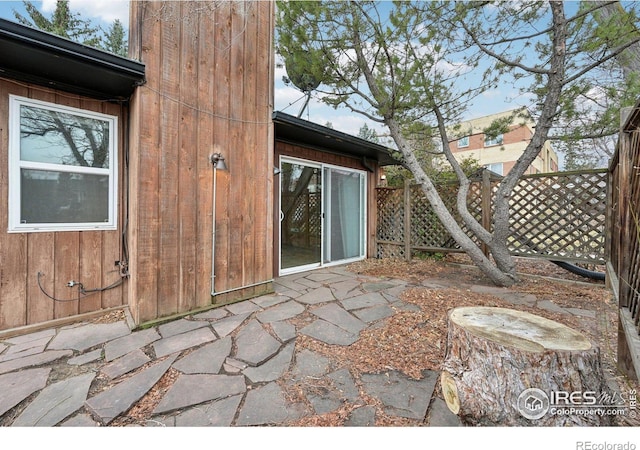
x=411, y=342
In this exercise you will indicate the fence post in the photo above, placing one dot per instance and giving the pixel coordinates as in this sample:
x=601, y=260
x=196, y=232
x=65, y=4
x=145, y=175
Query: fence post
x=485, y=195
x=407, y=219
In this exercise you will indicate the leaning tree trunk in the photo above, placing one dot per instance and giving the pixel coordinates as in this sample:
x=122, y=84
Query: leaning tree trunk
x=508, y=367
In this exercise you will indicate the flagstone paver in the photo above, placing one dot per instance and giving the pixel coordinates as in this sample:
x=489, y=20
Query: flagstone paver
x=329, y=333
x=272, y=369
x=17, y=386
x=282, y=311
x=284, y=330
x=84, y=337
x=319, y=295
x=400, y=395
x=9, y=355
x=179, y=342
x=125, y=364
x=219, y=413
x=39, y=344
x=242, y=307
x=121, y=346
x=109, y=404
x=310, y=364
x=31, y=337
x=267, y=301
x=56, y=402
x=266, y=405
x=226, y=326
x=375, y=313
x=179, y=326
x=189, y=390
x=212, y=314
x=365, y=416
x=338, y=316
x=364, y=301
x=346, y=289
x=254, y=344
x=86, y=358
x=34, y=360
x=207, y=359
x=441, y=416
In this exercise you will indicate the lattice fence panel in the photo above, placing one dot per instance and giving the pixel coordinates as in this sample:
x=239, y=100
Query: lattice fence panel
x=556, y=216
x=390, y=229
x=563, y=216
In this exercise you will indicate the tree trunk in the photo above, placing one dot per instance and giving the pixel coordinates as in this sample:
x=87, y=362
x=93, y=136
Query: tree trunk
x=507, y=367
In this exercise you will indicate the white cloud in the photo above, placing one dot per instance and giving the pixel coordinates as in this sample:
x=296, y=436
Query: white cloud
x=103, y=10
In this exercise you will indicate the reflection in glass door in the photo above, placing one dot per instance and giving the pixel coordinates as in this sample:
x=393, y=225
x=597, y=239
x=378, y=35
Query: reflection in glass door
x=300, y=215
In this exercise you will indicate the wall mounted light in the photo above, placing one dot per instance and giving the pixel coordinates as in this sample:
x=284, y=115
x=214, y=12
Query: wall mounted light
x=276, y=171
x=218, y=161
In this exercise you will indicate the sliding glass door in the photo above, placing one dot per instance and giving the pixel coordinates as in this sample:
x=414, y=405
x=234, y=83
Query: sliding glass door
x=300, y=215
x=322, y=215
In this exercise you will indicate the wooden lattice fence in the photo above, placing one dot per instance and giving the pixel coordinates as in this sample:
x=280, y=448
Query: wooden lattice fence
x=559, y=216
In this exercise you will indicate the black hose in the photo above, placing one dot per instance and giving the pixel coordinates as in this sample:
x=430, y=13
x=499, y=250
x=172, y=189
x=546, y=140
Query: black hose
x=594, y=275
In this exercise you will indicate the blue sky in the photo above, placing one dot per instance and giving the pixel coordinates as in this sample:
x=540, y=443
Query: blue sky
x=287, y=98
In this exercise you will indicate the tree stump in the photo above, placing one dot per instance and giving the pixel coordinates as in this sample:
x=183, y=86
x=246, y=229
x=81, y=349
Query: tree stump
x=507, y=367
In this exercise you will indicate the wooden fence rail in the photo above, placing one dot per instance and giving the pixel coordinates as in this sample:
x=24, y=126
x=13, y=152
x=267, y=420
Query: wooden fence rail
x=557, y=216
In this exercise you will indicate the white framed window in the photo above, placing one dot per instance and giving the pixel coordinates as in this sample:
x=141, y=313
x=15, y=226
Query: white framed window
x=495, y=168
x=62, y=168
x=488, y=142
x=463, y=142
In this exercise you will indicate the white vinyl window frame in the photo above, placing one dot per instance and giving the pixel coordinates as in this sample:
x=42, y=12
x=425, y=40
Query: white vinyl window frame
x=17, y=165
x=490, y=142
x=495, y=168
x=463, y=142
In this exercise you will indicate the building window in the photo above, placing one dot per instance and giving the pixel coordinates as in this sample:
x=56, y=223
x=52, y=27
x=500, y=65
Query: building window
x=495, y=168
x=463, y=142
x=62, y=168
x=488, y=142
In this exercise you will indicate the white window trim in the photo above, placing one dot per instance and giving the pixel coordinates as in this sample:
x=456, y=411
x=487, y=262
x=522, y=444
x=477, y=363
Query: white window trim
x=16, y=164
x=493, y=142
x=466, y=138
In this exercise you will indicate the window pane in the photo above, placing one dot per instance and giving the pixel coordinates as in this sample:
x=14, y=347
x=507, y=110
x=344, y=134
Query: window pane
x=58, y=137
x=61, y=197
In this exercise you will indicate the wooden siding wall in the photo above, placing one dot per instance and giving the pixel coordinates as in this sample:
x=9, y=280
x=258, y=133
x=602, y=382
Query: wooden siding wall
x=309, y=154
x=85, y=256
x=208, y=89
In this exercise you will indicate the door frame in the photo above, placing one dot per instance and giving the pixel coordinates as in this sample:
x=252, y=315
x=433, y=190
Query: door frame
x=363, y=224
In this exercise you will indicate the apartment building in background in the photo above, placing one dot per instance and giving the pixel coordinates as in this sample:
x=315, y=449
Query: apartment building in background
x=500, y=153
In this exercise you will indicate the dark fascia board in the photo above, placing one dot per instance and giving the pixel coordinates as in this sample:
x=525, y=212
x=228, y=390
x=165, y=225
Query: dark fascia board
x=35, y=56
x=292, y=129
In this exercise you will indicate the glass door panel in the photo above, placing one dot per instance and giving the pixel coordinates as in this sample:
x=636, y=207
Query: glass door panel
x=300, y=215
x=345, y=212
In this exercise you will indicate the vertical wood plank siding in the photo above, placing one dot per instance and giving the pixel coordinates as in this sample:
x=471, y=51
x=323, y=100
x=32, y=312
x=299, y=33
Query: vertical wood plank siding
x=208, y=89
x=84, y=256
